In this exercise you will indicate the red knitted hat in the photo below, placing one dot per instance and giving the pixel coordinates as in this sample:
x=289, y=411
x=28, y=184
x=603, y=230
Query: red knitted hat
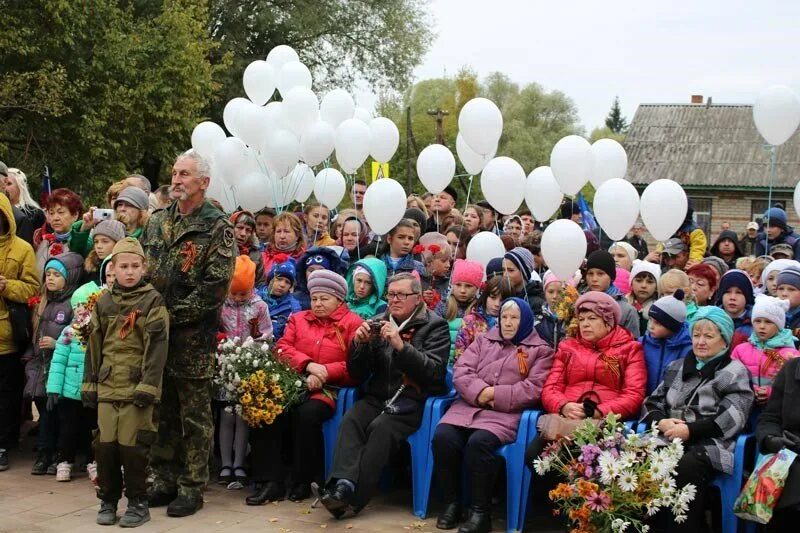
x=467, y=272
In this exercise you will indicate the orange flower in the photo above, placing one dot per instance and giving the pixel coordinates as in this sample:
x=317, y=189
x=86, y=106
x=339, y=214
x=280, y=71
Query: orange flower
x=585, y=487
x=563, y=491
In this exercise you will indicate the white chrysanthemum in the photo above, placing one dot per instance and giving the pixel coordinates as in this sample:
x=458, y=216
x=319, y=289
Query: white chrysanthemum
x=687, y=494
x=627, y=481
x=657, y=471
x=667, y=487
x=230, y=387
x=619, y=525
x=653, y=507
x=645, y=528
x=268, y=364
x=626, y=460
x=265, y=347
x=298, y=383
x=542, y=466
x=255, y=363
x=275, y=378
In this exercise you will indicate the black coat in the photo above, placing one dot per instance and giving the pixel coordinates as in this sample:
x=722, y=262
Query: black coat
x=781, y=414
x=423, y=359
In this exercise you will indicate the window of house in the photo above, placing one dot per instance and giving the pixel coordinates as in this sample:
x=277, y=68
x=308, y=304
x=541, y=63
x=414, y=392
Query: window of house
x=702, y=213
x=758, y=207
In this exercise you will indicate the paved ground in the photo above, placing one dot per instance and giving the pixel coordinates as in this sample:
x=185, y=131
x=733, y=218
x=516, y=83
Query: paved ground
x=41, y=504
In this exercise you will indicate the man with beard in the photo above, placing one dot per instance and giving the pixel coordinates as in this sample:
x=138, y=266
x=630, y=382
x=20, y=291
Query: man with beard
x=190, y=251
x=131, y=208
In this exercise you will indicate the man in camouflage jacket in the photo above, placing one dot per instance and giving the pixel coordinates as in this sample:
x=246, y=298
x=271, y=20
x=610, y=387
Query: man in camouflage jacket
x=190, y=250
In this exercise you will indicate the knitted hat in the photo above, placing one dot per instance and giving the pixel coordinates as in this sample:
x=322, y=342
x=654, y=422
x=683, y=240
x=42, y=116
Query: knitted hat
x=523, y=259
x=550, y=277
x=670, y=311
x=719, y=265
x=645, y=267
x=600, y=304
x=113, y=229
x=82, y=293
x=777, y=217
x=630, y=250
x=58, y=266
x=494, y=267
x=740, y=280
x=467, y=272
x=773, y=309
x=244, y=275
x=128, y=245
x=707, y=272
x=318, y=260
x=285, y=270
x=602, y=260
x=417, y=216
x=777, y=265
x=622, y=281
x=789, y=276
x=328, y=282
x=718, y=317
x=134, y=196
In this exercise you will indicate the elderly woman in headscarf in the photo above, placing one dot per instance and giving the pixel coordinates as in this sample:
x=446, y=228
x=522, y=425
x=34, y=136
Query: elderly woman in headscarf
x=704, y=400
x=624, y=254
x=354, y=235
x=498, y=376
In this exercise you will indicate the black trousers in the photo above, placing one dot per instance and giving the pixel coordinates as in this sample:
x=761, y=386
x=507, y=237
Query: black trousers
x=75, y=426
x=11, y=385
x=303, y=424
x=455, y=445
x=48, y=428
x=365, y=443
x=695, y=468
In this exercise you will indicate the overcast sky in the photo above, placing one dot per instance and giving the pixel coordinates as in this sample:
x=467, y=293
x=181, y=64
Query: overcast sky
x=641, y=51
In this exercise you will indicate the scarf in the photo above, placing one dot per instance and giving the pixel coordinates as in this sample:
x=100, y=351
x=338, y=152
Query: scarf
x=782, y=339
x=286, y=249
x=62, y=237
x=700, y=364
x=613, y=291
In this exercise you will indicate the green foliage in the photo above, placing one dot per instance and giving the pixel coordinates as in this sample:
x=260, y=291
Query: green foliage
x=615, y=121
x=605, y=133
x=95, y=88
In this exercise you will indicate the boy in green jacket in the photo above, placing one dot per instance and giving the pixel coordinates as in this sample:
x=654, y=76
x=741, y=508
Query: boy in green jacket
x=124, y=366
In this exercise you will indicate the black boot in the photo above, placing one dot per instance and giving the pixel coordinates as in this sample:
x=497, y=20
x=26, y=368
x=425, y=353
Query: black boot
x=43, y=460
x=449, y=485
x=136, y=514
x=299, y=492
x=185, y=505
x=272, y=491
x=480, y=512
x=338, y=498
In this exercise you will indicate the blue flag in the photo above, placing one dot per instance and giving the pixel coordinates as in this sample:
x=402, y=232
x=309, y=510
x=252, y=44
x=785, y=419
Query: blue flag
x=589, y=222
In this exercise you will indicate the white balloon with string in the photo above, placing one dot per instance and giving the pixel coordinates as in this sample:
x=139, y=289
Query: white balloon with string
x=232, y=159
x=329, y=187
x=609, y=161
x=384, y=139
x=384, y=205
x=485, y=246
x=317, y=143
x=363, y=115
x=542, y=193
x=206, y=136
x=305, y=182
x=776, y=114
x=302, y=109
x=254, y=191
x=480, y=122
x=231, y=112
x=259, y=80
x=571, y=162
x=616, y=207
x=472, y=162
x=352, y=144
x=663, y=206
x=251, y=125
x=220, y=190
x=563, y=248
x=336, y=107
x=282, y=54
x=281, y=152
x=436, y=167
x=503, y=184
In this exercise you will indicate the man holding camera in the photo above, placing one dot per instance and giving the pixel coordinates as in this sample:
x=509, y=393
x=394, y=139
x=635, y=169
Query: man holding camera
x=404, y=355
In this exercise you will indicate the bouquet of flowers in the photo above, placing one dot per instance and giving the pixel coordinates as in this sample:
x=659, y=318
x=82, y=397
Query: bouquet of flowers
x=82, y=317
x=258, y=385
x=565, y=309
x=613, y=480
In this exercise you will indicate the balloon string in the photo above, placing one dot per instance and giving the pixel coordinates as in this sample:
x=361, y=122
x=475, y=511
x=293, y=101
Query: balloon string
x=458, y=242
x=773, y=160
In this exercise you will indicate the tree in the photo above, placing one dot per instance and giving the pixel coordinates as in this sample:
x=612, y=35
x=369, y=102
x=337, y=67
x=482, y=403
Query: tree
x=96, y=91
x=605, y=133
x=499, y=88
x=615, y=121
x=341, y=41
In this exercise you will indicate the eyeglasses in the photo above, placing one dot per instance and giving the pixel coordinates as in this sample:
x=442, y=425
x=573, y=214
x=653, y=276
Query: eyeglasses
x=399, y=296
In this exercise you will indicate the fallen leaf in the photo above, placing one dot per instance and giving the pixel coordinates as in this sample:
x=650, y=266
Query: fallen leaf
x=323, y=526
x=273, y=519
x=349, y=526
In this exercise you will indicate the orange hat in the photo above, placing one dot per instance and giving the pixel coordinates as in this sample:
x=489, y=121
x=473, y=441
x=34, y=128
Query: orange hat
x=244, y=275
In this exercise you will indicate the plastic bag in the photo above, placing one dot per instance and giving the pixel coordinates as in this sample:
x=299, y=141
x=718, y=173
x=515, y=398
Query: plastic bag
x=763, y=489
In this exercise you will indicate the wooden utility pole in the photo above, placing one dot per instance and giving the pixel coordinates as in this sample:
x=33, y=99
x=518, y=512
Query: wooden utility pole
x=438, y=114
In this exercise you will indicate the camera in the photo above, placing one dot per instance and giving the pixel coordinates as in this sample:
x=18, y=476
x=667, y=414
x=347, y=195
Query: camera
x=589, y=407
x=375, y=327
x=103, y=214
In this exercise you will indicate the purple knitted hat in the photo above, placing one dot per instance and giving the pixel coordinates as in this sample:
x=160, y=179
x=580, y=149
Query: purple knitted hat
x=329, y=282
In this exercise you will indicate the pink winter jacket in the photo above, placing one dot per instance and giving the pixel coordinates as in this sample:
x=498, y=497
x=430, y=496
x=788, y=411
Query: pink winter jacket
x=763, y=366
x=248, y=319
x=490, y=361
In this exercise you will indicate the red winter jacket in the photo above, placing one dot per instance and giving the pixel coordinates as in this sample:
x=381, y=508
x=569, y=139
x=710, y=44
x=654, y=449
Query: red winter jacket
x=611, y=372
x=326, y=341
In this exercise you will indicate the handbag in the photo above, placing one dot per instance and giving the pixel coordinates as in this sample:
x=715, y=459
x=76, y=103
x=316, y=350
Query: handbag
x=764, y=487
x=19, y=314
x=553, y=426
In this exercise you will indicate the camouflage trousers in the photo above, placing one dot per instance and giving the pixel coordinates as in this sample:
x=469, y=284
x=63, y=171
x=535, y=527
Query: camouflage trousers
x=179, y=458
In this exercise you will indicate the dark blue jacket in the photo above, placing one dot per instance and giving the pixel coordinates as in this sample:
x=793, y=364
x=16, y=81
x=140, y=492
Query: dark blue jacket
x=406, y=264
x=280, y=309
x=659, y=353
x=788, y=236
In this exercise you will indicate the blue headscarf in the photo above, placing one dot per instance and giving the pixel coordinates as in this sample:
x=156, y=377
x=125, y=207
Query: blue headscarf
x=724, y=324
x=525, y=320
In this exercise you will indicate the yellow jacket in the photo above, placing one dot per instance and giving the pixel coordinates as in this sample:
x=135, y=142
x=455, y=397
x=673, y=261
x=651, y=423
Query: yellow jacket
x=18, y=267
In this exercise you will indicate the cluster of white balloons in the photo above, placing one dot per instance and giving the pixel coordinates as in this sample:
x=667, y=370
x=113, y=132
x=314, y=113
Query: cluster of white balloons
x=267, y=161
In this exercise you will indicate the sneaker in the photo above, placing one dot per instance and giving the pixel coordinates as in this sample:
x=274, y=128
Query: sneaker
x=64, y=471
x=136, y=514
x=41, y=464
x=52, y=468
x=3, y=459
x=91, y=470
x=107, y=515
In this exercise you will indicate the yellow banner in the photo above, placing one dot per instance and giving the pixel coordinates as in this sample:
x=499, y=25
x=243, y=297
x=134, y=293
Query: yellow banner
x=379, y=170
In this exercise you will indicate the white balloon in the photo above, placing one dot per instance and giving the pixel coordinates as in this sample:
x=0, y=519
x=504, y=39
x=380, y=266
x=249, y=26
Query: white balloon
x=503, y=184
x=259, y=81
x=363, y=115
x=329, y=187
x=317, y=143
x=291, y=75
x=609, y=161
x=616, y=207
x=777, y=114
x=253, y=192
x=281, y=152
x=220, y=190
x=301, y=107
x=336, y=107
x=232, y=159
x=280, y=55
x=473, y=163
x=205, y=138
x=231, y=111
x=305, y=183
x=485, y=246
x=352, y=144
x=481, y=124
x=663, y=206
x=384, y=139
x=571, y=163
x=563, y=248
x=436, y=167
x=281, y=191
x=542, y=193
x=251, y=125
x=274, y=120
x=384, y=205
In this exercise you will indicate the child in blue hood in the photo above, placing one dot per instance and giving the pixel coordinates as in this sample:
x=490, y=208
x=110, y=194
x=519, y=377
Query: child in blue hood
x=667, y=338
x=735, y=296
x=279, y=297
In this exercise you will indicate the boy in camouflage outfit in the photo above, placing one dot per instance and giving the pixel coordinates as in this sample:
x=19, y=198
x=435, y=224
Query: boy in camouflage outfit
x=126, y=355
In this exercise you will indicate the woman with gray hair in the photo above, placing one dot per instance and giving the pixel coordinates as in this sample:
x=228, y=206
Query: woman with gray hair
x=15, y=185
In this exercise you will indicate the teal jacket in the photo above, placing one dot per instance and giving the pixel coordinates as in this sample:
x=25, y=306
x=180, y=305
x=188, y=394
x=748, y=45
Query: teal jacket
x=374, y=304
x=66, y=368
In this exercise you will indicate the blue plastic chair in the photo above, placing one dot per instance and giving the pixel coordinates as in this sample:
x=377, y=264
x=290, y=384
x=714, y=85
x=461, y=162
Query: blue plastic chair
x=518, y=476
x=330, y=429
x=730, y=485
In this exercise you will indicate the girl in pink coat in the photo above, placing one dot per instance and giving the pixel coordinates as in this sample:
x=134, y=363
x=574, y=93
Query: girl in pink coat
x=769, y=346
x=498, y=376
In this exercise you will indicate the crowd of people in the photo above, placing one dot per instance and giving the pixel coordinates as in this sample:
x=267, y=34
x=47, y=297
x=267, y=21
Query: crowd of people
x=110, y=317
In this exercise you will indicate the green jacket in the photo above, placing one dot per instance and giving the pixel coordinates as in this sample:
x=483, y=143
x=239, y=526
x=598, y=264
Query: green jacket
x=82, y=241
x=190, y=260
x=121, y=359
x=375, y=304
